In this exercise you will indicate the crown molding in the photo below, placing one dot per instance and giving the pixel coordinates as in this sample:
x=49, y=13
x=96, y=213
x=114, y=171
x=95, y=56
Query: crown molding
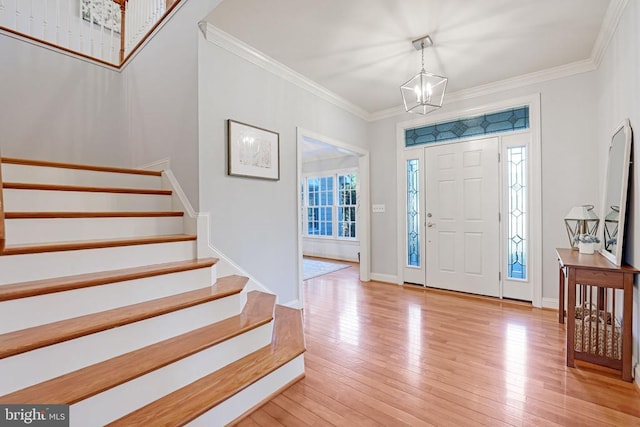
x=607, y=29
x=243, y=50
x=537, y=77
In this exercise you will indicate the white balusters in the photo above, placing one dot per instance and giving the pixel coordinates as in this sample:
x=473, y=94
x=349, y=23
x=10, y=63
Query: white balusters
x=17, y=15
x=2, y=11
x=57, y=21
x=91, y=31
x=31, y=18
x=89, y=27
x=44, y=21
x=69, y=31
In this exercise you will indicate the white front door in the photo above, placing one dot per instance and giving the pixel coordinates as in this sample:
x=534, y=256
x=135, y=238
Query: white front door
x=462, y=216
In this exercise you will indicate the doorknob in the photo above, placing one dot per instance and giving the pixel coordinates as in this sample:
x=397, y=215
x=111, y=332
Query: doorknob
x=430, y=224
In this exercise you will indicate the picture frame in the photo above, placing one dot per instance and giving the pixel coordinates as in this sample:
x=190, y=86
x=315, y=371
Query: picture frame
x=252, y=151
x=104, y=13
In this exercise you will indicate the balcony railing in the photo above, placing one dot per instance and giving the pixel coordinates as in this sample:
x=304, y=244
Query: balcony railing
x=106, y=31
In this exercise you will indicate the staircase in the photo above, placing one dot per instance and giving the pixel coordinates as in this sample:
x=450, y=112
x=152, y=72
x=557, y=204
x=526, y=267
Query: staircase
x=105, y=306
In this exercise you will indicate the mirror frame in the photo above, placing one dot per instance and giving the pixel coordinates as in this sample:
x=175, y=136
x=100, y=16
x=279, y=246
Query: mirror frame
x=616, y=257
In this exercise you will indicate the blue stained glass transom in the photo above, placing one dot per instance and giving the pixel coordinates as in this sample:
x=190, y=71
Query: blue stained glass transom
x=413, y=213
x=502, y=121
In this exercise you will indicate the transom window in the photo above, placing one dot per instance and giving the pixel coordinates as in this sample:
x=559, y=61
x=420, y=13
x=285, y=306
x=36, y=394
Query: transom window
x=330, y=205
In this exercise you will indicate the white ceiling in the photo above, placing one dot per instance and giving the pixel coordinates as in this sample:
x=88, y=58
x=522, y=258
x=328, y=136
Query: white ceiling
x=361, y=49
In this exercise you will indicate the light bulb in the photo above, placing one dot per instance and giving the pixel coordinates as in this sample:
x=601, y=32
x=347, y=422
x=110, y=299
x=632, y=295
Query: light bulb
x=429, y=92
x=418, y=92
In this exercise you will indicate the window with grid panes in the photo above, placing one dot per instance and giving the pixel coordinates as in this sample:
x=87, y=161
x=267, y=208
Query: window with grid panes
x=347, y=203
x=320, y=206
x=330, y=203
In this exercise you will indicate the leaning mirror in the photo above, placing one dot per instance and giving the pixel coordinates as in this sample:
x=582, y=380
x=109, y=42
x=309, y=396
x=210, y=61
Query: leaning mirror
x=615, y=193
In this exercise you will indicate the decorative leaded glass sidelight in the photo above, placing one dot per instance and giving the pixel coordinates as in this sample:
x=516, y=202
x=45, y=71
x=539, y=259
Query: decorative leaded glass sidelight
x=517, y=215
x=413, y=213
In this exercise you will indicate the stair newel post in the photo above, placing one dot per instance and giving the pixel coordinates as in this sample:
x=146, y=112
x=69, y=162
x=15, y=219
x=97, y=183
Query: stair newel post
x=1, y=211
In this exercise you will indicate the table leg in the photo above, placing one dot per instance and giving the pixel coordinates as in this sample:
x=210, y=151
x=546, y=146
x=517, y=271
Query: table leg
x=561, y=294
x=571, y=321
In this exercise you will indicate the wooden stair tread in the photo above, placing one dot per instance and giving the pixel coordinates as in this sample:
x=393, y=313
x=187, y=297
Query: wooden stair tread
x=93, y=244
x=57, y=187
x=24, y=340
x=193, y=400
x=67, y=283
x=38, y=215
x=86, y=382
x=28, y=162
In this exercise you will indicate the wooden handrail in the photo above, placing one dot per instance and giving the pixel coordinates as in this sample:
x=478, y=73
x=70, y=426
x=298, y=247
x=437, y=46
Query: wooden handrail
x=2, y=237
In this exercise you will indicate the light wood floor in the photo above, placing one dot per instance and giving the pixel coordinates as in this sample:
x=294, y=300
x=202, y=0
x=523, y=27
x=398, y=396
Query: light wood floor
x=385, y=355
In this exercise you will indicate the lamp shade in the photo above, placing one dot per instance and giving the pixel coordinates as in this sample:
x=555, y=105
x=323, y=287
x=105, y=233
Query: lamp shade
x=424, y=92
x=581, y=220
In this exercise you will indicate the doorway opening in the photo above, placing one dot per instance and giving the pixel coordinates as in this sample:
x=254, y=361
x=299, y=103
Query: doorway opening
x=333, y=202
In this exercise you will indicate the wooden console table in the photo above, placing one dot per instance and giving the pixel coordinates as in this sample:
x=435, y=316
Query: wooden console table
x=595, y=280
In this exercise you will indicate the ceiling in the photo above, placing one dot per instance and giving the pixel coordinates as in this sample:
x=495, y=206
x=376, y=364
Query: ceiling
x=361, y=49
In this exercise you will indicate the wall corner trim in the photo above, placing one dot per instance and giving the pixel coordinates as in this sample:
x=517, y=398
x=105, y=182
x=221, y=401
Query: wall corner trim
x=550, y=303
x=226, y=41
x=607, y=30
x=385, y=278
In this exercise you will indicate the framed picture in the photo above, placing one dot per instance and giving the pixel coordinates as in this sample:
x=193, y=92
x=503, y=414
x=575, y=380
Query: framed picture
x=252, y=152
x=105, y=13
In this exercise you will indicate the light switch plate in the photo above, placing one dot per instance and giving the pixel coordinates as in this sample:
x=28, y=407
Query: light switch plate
x=378, y=208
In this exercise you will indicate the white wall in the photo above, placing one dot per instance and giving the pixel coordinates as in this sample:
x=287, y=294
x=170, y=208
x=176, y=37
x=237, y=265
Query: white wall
x=254, y=222
x=619, y=98
x=161, y=97
x=60, y=108
x=56, y=107
x=569, y=157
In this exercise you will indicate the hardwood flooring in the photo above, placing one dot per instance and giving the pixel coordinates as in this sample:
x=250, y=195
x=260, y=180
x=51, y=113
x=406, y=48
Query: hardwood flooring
x=385, y=355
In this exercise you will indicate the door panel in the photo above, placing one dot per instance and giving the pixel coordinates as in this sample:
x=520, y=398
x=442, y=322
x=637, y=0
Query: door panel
x=462, y=235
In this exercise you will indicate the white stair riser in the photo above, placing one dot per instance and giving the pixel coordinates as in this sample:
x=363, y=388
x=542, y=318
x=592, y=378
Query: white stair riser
x=57, y=306
x=49, y=362
x=33, y=231
x=119, y=401
x=16, y=200
x=21, y=268
x=64, y=176
x=245, y=400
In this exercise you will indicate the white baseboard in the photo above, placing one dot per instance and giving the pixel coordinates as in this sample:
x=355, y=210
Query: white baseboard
x=550, y=303
x=181, y=202
x=386, y=278
x=200, y=224
x=158, y=165
x=333, y=256
x=225, y=265
x=293, y=304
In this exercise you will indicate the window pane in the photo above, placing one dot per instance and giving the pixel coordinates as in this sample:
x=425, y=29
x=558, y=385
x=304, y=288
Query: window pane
x=413, y=213
x=517, y=220
x=331, y=204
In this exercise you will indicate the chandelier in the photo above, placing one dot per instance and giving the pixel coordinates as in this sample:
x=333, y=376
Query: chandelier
x=424, y=93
